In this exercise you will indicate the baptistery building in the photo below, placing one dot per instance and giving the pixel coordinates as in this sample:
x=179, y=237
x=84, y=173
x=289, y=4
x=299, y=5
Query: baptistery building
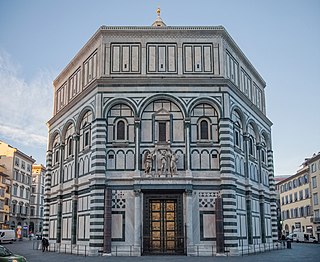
x=159, y=144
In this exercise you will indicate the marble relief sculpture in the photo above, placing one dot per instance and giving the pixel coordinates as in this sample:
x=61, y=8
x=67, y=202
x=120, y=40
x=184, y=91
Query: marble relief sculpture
x=165, y=162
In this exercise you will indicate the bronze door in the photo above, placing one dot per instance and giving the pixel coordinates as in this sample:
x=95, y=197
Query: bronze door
x=163, y=232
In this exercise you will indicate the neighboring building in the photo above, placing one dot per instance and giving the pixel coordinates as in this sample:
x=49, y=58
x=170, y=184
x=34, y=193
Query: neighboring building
x=37, y=198
x=314, y=171
x=160, y=144
x=296, y=202
x=4, y=197
x=19, y=169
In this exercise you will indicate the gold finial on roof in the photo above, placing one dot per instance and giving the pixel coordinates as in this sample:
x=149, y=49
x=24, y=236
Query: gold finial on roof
x=158, y=22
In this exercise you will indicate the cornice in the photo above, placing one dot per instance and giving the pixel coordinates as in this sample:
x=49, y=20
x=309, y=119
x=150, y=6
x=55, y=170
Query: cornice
x=166, y=28
x=100, y=84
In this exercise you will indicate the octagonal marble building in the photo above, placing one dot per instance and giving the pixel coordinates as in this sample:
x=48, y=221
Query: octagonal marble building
x=159, y=144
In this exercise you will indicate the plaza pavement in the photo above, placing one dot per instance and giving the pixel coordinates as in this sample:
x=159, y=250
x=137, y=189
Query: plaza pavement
x=305, y=252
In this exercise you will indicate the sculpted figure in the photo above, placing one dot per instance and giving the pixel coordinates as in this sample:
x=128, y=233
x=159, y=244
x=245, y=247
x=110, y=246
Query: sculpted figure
x=163, y=158
x=147, y=162
x=173, y=164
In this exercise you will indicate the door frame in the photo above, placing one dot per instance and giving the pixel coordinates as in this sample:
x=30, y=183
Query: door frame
x=180, y=239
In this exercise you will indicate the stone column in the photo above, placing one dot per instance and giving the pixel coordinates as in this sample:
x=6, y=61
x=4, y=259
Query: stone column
x=262, y=217
x=137, y=143
x=246, y=138
x=249, y=216
x=59, y=220
x=259, y=152
x=189, y=224
x=228, y=186
x=59, y=202
x=137, y=222
x=76, y=138
x=74, y=219
x=97, y=184
x=273, y=199
x=219, y=225
x=47, y=189
x=61, y=166
x=75, y=191
x=107, y=221
x=187, y=134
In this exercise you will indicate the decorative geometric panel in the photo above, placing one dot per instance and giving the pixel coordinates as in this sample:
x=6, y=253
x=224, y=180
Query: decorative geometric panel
x=118, y=199
x=207, y=199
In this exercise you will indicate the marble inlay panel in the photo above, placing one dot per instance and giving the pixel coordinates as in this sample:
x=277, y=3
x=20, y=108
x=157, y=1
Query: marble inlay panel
x=209, y=229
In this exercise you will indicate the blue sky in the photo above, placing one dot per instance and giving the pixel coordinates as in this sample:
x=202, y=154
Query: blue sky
x=281, y=39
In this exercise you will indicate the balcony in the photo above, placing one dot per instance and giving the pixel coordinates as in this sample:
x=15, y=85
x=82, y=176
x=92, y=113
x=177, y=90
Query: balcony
x=315, y=220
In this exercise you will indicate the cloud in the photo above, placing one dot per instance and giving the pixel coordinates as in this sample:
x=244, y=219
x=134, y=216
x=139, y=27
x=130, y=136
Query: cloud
x=25, y=106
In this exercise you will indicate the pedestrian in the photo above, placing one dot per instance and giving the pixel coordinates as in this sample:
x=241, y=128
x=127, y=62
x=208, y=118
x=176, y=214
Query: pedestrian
x=45, y=244
x=283, y=239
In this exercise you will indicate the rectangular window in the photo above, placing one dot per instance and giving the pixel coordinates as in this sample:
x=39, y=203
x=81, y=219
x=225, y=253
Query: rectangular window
x=162, y=132
x=232, y=69
x=86, y=139
x=314, y=182
x=308, y=211
x=301, y=195
x=306, y=193
x=315, y=199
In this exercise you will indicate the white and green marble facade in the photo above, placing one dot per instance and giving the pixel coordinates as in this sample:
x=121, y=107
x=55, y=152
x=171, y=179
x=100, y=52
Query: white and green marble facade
x=145, y=77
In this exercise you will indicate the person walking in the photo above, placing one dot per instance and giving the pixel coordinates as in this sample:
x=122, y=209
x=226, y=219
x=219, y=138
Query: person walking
x=45, y=244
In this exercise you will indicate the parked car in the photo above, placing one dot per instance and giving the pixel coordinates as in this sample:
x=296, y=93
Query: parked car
x=301, y=237
x=7, y=256
x=7, y=235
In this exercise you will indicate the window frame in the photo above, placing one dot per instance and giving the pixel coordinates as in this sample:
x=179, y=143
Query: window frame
x=125, y=130
x=200, y=130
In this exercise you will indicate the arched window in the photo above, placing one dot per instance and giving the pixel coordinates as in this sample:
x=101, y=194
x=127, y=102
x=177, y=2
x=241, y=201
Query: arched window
x=263, y=156
x=204, y=130
x=252, y=140
x=120, y=120
x=263, y=150
x=85, y=131
x=70, y=148
x=56, y=157
x=121, y=130
x=204, y=123
x=55, y=149
x=69, y=141
x=237, y=129
x=251, y=146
